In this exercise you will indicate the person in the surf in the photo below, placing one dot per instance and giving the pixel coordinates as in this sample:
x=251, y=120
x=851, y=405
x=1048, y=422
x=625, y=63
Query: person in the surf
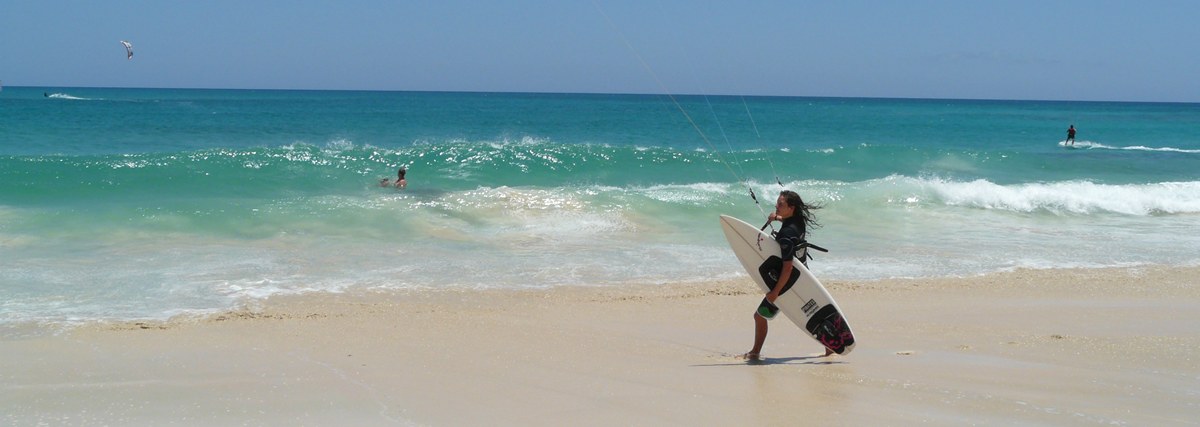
x=400, y=181
x=797, y=218
x=1070, y=135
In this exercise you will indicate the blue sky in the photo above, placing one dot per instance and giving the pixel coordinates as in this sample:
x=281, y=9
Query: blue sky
x=1061, y=50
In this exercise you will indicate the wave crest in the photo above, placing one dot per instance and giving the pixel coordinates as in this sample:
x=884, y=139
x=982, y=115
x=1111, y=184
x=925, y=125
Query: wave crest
x=1068, y=197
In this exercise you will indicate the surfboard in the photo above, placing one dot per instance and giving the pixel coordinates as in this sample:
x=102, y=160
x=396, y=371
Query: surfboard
x=808, y=304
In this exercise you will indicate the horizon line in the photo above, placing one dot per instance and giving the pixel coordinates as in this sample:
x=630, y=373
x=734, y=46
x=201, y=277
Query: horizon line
x=609, y=93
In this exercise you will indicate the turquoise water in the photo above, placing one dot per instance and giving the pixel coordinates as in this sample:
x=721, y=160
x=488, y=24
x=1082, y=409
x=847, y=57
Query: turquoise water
x=145, y=203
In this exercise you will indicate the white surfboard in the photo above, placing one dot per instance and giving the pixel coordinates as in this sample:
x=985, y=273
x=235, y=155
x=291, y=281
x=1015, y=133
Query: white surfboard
x=807, y=303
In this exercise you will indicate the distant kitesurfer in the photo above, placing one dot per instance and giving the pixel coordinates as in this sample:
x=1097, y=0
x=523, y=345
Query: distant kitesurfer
x=1071, y=135
x=797, y=218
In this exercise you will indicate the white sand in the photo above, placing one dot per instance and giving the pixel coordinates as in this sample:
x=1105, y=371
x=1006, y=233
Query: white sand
x=1062, y=347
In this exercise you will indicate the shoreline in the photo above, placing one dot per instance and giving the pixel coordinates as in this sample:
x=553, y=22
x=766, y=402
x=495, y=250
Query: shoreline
x=1080, y=346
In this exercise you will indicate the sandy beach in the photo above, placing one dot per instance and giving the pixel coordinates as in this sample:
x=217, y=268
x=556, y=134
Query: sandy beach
x=1055, y=347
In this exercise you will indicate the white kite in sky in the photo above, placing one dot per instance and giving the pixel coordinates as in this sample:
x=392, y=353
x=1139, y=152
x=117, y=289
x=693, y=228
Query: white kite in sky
x=128, y=49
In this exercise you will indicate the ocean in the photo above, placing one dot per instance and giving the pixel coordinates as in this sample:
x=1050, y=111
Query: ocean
x=132, y=204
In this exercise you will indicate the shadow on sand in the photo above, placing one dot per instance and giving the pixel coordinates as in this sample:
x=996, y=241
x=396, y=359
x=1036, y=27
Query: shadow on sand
x=766, y=361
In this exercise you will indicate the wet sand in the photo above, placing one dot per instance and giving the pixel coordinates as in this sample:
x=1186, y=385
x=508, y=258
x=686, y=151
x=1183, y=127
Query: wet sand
x=1054, y=347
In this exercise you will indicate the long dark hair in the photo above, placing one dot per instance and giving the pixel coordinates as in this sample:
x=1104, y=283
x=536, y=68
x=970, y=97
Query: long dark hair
x=804, y=210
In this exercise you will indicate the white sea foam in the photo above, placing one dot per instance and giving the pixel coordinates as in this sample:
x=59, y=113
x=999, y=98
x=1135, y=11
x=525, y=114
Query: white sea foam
x=1066, y=197
x=1077, y=197
x=700, y=193
x=519, y=237
x=66, y=96
x=1169, y=149
x=1099, y=146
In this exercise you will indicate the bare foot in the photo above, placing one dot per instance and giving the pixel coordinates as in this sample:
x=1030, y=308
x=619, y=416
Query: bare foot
x=828, y=352
x=750, y=356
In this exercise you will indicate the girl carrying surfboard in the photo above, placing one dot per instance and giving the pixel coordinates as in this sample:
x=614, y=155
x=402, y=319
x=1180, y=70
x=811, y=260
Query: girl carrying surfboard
x=797, y=217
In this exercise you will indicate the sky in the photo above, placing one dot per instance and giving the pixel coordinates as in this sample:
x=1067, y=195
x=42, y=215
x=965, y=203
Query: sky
x=961, y=49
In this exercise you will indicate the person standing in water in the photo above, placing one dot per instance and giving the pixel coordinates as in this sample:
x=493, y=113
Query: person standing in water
x=1070, y=136
x=400, y=181
x=797, y=218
